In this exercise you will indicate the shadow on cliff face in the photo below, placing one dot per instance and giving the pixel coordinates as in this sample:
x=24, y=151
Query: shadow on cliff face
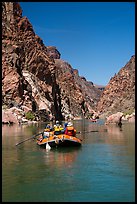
x=56, y=108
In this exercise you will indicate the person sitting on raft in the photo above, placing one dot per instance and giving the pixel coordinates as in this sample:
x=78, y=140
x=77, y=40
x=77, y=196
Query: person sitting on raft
x=64, y=129
x=58, y=128
x=47, y=130
x=70, y=130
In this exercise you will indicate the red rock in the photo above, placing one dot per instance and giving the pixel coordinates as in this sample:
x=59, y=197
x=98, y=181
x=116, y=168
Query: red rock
x=34, y=75
x=119, y=94
x=114, y=118
x=9, y=117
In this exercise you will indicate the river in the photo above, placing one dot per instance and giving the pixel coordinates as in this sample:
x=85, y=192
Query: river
x=101, y=170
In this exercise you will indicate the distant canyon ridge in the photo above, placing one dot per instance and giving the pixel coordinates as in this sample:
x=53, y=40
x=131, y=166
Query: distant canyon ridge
x=35, y=79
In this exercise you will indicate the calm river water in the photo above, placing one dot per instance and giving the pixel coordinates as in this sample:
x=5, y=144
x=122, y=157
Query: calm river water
x=102, y=169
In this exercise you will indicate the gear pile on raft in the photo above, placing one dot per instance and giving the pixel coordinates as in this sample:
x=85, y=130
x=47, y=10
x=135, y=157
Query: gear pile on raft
x=59, y=136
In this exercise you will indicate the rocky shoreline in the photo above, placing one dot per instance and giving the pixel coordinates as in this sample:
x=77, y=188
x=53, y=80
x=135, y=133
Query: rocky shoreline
x=19, y=116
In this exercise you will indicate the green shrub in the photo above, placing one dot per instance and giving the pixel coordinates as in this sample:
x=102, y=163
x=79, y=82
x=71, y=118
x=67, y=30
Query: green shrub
x=128, y=112
x=29, y=115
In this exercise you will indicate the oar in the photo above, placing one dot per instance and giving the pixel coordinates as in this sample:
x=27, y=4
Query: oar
x=29, y=138
x=105, y=130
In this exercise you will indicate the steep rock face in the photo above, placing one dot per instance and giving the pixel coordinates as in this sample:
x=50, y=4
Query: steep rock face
x=78, y=96
x=119, y=94
x=27, y=69
x=53, y=53
x=34, y=76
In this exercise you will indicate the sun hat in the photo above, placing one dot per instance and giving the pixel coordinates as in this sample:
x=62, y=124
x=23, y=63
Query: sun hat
x=69, y=124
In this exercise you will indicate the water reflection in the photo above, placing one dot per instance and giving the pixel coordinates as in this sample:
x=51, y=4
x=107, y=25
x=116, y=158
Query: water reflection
x=61, y=157
x=115, y=135
x=110, y=134
x=122, y=136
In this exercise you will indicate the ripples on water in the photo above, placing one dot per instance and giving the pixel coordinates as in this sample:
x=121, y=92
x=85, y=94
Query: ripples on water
x=102, y=169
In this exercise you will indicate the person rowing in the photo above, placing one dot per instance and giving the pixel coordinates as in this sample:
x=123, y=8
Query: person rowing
x=47, y=131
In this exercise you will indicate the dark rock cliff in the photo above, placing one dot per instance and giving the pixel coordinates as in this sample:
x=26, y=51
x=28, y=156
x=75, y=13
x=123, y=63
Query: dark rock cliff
x=34, y=76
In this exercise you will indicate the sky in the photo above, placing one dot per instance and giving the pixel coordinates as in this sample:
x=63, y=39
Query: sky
x=97, y=38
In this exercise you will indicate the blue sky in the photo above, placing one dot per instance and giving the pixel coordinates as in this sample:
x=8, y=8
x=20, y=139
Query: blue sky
x=97, y=38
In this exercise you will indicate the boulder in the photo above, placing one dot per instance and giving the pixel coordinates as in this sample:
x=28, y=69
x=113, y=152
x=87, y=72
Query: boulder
x=9, y=117
x=114, y=118
x=131, y=119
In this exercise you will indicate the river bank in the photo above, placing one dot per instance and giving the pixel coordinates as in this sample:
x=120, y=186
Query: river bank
x=23, y=115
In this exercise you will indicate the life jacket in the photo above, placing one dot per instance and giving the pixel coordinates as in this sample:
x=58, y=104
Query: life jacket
x=47, y=130
x=58, y=130
x=71, y=131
